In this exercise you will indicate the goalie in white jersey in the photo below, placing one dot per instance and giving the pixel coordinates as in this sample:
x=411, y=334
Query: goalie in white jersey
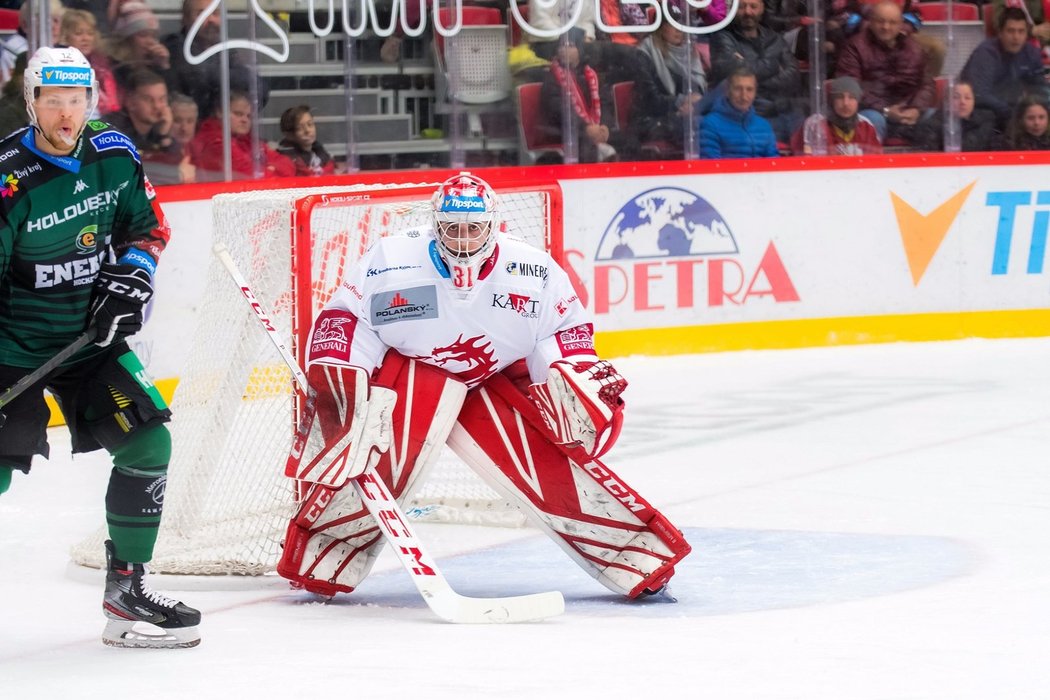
x=459, y=334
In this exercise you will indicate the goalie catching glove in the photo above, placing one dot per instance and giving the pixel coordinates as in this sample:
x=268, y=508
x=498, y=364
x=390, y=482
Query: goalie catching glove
x=581, y=404
x=121, y=293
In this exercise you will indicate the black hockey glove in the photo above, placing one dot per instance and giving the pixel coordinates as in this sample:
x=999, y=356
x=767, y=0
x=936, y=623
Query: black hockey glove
x=121, y=293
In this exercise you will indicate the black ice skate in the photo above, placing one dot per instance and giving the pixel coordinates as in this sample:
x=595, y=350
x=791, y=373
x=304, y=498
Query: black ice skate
x=141, y=618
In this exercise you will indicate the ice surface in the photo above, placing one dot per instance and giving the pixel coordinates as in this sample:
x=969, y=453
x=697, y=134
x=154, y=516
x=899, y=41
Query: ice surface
x=867, y=522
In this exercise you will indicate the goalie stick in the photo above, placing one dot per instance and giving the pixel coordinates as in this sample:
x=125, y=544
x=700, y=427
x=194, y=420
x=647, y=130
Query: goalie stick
x=400, y=535
x=16, y=389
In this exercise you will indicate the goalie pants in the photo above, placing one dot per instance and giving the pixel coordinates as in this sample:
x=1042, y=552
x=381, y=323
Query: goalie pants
x=599, y=521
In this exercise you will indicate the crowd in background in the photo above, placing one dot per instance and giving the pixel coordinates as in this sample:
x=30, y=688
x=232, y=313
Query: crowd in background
x=741, y=91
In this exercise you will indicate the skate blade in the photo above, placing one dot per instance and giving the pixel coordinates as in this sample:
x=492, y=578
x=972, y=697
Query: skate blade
x=142, y=635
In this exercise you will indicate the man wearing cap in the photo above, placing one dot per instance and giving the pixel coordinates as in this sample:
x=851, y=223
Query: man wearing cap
x=840, y=131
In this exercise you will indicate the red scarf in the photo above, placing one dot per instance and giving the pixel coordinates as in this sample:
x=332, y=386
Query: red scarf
x=593, y=115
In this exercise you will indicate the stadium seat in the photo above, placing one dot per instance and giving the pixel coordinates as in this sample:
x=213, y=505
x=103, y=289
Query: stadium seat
x=938, y=11
x=534, y=140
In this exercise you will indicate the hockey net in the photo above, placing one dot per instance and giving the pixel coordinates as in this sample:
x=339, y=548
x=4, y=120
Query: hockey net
x=228, y=501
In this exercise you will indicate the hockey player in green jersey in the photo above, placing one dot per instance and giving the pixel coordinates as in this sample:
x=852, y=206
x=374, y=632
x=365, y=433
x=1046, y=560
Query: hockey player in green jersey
x=80, y=236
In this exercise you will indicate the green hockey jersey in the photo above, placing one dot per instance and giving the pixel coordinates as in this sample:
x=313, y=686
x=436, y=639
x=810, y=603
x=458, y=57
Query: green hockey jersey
x=61, y=217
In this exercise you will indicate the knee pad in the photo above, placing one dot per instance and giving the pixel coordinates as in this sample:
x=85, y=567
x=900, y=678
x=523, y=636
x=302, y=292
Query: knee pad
x=146, y=449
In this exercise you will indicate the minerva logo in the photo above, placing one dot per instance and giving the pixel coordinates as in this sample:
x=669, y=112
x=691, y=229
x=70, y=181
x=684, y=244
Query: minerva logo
x=8, y=185
x=922, y=234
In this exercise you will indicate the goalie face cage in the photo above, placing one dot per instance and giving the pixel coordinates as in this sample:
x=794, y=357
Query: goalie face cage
x=234, y=411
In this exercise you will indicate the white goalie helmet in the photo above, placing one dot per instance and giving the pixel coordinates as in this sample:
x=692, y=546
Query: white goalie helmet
x=465, y=217
x=58, y=67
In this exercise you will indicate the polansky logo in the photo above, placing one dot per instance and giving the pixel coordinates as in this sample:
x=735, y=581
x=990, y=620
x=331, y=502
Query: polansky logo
x=922, y=234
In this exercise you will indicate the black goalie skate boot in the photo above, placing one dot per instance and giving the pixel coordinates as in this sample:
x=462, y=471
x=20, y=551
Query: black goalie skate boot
x=139, y=617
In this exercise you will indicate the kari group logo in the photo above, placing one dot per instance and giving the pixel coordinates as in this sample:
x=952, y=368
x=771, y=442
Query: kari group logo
x=669, y=248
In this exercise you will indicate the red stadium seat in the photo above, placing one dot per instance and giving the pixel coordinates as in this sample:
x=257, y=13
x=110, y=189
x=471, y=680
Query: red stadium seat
x=534, y=140
x=938, y=11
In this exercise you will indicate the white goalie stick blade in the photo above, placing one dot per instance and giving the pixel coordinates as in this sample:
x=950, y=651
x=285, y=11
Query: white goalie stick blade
x=130, y=634
x=438, y=594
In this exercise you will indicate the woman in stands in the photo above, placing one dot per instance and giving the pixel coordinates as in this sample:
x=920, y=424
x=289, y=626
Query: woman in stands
x=300, y=143
x=1029, y=129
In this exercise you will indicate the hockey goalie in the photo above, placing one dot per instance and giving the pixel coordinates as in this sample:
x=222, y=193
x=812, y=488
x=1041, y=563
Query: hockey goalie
x=459, y=334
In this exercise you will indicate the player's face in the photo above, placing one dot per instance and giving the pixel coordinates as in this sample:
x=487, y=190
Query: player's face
x=60, y=116
x=464, y=238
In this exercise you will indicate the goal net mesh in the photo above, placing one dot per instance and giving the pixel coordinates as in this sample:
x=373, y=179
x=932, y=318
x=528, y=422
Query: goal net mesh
x=228, y=502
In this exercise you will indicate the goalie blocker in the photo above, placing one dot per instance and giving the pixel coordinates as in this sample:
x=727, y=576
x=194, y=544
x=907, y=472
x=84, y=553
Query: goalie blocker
x=540, y=458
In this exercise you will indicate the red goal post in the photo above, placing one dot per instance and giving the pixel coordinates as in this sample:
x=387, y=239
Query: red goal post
x=235, y=407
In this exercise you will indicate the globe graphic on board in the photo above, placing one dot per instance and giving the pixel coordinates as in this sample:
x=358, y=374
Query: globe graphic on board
x=666, y=222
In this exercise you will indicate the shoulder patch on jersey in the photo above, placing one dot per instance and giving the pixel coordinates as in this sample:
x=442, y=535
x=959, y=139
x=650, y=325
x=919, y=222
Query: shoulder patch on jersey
x=108, y=140
x=97, y=125
x=410, y=304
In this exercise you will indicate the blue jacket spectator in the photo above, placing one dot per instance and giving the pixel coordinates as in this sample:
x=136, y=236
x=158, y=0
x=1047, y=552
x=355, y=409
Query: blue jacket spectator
x=732, y=129
x=1005, y=68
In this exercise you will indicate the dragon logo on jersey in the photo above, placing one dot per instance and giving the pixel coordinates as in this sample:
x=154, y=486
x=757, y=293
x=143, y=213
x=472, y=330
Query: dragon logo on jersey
x=9, y=185
x=471, y=360
x=86, y=239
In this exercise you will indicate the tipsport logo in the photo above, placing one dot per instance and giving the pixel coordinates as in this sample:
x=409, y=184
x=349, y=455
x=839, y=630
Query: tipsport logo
x=71, y=76
x=8, y=185
x=1022, y=222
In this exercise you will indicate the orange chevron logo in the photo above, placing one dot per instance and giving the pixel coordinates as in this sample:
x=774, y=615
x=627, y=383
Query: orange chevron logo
x=922, y=234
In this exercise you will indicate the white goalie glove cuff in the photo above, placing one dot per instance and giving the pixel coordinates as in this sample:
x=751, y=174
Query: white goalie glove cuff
x=581, y=404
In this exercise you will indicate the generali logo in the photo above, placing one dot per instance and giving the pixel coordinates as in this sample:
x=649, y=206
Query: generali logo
x=922, y=234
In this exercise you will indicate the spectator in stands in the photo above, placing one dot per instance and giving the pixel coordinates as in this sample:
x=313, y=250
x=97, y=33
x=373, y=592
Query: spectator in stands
x=733, y=129
x=201, y=81
x=79, y=30
x=977, y=131
x=551, y=16
x=891, y=69
x=748, y=43
x=300, y=143
x=1034, y=12
x=667, y=85
x=13, y=114
x=146, y=117
x=207, y=146
x=18, y=42
x=1029, y=128
x=841, y=130
x=134, y=44
x=590, y=100
x=184, y=114
x=1004, y=68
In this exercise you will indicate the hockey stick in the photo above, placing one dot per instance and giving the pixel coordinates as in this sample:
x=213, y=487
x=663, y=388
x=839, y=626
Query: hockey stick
x=399, y=534
x=16, y=389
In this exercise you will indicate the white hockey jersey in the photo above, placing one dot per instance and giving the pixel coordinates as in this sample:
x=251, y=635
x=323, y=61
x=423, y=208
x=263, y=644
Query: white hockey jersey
x=399, y=296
